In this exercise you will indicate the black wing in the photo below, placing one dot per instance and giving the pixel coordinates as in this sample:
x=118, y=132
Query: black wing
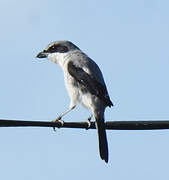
x=90, y=83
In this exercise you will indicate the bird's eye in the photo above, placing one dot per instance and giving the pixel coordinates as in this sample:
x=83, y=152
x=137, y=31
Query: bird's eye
x=53, y=49
x=58, y=48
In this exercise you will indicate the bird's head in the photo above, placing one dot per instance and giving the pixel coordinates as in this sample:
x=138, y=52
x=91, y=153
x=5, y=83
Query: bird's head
x=56, y=50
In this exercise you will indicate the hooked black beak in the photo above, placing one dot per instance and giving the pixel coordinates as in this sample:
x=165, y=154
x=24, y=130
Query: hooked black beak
x=42, y=55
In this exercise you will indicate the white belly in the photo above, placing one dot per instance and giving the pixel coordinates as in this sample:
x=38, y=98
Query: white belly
x=77, y=93
x=85, y=99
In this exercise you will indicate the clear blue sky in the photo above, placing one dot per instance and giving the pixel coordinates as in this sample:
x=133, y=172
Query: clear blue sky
x=129, y=40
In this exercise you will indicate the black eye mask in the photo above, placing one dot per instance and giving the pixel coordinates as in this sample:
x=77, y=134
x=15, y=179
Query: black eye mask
x=57, y=48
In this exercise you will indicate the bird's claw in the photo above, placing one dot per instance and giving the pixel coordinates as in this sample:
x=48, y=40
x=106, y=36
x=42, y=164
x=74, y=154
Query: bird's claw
x=61, y=121
x=88, y=123
x=56, y=120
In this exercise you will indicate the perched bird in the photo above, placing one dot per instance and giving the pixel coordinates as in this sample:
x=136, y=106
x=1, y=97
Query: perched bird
x=84, y=82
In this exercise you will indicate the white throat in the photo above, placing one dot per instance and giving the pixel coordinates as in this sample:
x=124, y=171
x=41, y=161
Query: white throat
x=58, y=58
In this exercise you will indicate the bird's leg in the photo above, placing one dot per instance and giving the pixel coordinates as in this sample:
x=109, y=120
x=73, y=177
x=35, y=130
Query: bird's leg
x=64, y=113
x=89, y=121
x=59, y=118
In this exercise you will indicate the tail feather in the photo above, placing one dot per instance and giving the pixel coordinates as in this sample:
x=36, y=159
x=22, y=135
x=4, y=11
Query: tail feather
x=103, y=145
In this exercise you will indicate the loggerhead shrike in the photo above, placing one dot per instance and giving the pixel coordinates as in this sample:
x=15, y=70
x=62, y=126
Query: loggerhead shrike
x=84, y=82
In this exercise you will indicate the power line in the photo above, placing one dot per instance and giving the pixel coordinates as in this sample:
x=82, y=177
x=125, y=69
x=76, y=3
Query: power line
x=110, y=125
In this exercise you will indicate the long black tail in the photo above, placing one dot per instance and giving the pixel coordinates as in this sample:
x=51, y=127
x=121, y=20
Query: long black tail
x=103, y=145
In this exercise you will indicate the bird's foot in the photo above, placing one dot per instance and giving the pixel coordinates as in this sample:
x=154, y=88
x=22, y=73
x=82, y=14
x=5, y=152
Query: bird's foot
x=88, y=122
x=58, y=119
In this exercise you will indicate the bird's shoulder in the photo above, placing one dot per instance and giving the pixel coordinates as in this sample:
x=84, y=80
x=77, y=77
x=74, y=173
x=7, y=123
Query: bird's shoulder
x=81, y=60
